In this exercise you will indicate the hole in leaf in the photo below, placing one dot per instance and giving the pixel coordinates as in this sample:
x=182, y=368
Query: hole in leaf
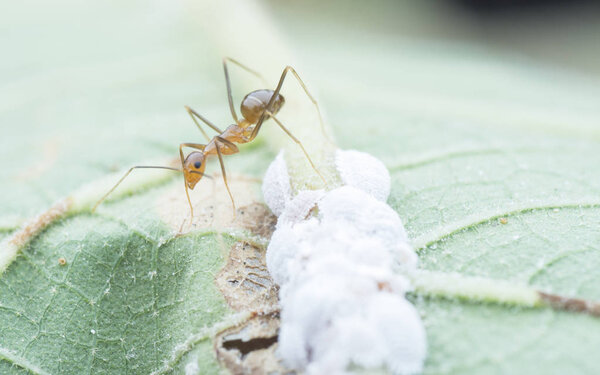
x=251, y=345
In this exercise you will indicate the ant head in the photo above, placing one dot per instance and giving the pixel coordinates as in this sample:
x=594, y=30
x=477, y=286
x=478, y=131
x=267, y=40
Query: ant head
x=193, y=168
x=254, y=104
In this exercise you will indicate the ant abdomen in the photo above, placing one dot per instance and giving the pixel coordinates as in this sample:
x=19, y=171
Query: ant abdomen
x=254, y=104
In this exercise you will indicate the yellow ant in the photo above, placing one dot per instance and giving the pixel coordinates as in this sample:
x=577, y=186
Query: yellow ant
x=256, y=107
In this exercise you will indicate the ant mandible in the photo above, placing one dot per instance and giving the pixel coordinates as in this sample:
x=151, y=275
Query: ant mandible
x=256, y=107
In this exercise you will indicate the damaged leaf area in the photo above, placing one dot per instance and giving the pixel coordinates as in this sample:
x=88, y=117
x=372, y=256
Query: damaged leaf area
x=250, y=349
x=245, y=282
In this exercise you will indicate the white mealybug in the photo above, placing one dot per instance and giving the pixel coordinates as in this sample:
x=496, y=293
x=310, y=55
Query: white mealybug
x=342, y=303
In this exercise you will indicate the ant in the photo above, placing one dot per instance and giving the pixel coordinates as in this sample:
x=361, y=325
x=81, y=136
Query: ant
x=256, y=107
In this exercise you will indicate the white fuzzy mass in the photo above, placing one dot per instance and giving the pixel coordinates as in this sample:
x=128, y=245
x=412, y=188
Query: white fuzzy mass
x=363, y=171
x=342, y=303
x=276, y=186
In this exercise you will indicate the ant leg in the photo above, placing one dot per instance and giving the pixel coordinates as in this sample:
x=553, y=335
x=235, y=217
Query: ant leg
x=228, y=82
x=251, y=71
x=234, y=147
x=299, y=144
x=187, y=193
x=312, y=99
x=127, y=174
x=276, y=92
x=193, y=114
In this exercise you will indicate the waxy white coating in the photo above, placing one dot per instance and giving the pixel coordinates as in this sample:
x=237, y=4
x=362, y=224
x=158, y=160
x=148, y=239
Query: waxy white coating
x=334, y=254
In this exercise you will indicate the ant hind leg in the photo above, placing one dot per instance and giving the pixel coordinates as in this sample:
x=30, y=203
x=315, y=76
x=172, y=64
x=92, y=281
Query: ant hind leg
x=312, y=99
x=228, y=82
x=299, y=144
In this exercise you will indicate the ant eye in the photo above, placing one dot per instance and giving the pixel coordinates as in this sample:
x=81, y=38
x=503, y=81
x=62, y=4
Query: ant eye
x=197, y=164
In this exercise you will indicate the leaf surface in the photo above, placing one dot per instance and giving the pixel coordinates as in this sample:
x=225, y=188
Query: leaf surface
x=469, y=145
x=470, y=137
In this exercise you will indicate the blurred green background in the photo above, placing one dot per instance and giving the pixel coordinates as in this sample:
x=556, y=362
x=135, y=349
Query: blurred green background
x=121, y=71
x=78, y=78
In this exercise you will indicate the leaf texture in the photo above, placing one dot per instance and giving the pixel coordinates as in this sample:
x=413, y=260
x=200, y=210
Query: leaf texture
x=494, y=163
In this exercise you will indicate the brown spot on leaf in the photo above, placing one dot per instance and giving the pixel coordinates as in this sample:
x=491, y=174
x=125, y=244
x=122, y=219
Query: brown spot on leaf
x=250, y=348
x=571, y=304
x=247, y=286
x=257, y=218
x=39, y=223
x=245, y=281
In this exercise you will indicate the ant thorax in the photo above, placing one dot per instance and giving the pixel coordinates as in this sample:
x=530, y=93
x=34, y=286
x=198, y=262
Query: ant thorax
x=239, y=133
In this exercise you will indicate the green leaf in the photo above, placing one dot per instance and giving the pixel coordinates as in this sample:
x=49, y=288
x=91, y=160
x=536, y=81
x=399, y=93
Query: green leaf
x=470, y=136
x=119, y=302
x=468, y=143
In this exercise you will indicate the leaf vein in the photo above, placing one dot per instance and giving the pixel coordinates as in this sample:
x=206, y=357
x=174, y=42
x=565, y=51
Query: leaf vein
x=472, y=221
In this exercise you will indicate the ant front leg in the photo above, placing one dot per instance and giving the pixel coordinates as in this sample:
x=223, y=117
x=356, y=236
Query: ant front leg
x=196, y=146
x=233, y=148
x=228, y=82
x=125, y=176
